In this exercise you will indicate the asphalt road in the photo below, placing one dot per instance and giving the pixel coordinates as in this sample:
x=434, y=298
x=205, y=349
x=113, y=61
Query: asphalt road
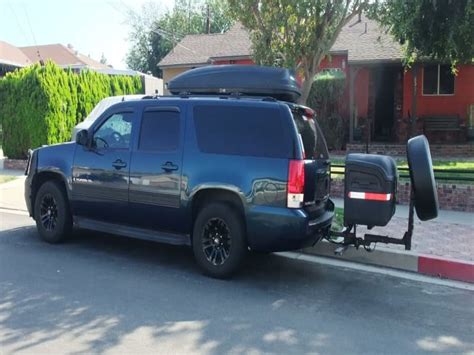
x=104, y=294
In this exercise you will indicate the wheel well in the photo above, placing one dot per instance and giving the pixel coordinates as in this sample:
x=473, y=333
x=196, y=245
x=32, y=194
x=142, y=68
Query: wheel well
x=41, y=178
x=207, y=196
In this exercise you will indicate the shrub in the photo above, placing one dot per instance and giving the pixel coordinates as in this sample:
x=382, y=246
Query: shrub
x=41, y=105
x=326, y=93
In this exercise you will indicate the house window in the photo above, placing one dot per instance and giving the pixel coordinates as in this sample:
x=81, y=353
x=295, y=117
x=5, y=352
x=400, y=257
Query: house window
x=438, y=80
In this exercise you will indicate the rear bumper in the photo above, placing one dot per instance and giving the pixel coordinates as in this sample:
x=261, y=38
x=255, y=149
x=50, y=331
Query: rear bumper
x=273, y=229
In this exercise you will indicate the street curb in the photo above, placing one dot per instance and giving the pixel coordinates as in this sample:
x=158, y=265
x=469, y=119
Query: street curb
x=18, y=211
x=458, y=270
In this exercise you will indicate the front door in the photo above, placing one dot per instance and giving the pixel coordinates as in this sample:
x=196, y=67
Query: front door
x=384, y=86
x=100, y=176
x=155, y=173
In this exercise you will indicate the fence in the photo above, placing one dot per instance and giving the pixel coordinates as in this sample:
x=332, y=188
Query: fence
x=455, y=187
x=441, y=175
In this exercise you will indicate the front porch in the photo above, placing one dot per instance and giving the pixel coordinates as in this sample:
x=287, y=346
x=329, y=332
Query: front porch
x=375, y=102
x=386, y=104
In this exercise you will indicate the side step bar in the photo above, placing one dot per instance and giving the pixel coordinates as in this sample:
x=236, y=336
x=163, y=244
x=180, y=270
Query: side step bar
x=132, y=232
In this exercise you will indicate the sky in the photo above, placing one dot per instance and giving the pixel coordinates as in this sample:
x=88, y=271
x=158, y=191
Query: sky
x=93, y=27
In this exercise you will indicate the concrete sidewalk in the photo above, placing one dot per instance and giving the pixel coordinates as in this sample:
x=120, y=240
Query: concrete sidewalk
x=442, y=247
x=11, y=194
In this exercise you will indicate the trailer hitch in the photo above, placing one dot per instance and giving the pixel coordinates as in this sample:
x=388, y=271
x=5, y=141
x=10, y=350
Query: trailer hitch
x=349, y=235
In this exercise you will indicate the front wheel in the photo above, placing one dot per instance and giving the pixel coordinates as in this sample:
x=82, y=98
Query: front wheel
x=51, y=211
x=219, y=242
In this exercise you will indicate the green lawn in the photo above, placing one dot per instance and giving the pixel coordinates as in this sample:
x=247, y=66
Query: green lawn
x=6, y=178
x=338, y=222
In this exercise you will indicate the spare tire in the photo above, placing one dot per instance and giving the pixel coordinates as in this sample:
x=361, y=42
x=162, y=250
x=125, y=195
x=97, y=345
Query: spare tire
x=422, y=178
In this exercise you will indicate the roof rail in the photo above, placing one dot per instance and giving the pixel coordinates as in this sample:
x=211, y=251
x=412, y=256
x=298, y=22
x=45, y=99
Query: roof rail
x=187, y=95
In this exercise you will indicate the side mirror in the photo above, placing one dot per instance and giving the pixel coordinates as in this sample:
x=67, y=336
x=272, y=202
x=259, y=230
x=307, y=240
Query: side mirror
x=82, y=137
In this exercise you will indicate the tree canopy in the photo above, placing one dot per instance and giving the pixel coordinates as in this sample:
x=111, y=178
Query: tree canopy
x=434, y=29
x=294, y=34
x=154, y=32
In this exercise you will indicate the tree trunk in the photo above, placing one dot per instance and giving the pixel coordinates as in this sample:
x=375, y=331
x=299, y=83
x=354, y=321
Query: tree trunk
x=305, y=90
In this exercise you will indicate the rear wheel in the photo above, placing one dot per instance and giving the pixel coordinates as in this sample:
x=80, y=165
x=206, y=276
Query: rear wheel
x=219, y=242
x=52, y=215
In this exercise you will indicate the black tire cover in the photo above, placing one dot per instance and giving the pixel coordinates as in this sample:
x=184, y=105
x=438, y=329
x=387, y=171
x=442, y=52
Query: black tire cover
x=422, y=178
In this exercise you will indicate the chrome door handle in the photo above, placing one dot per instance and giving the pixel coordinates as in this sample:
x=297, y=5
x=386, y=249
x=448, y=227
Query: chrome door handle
x=119, y=164
x=169, y=166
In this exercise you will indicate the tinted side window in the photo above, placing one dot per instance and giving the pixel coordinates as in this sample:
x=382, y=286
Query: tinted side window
x=234, y=130
x=159, y=131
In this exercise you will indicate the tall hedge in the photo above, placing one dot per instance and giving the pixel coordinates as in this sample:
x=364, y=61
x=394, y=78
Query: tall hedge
x=41, y=105
x=325, y=97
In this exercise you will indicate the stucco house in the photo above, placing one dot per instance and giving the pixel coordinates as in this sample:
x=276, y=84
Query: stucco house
x=379, y=90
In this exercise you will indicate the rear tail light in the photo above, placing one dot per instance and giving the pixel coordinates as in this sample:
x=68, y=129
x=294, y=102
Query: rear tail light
x=308, y=113
x=295, y=184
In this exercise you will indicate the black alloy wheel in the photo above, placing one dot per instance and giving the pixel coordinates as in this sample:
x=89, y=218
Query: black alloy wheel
x=52, y=213
x=216, y=241
x=49, y=212
x=219, y=239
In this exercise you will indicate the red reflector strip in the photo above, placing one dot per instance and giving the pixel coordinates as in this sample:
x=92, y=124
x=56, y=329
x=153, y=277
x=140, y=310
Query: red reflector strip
x=370, y=196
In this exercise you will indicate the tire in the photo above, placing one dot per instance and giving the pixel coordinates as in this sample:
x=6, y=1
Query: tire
x=52, y=215
x=219, y=241
x=422, y=178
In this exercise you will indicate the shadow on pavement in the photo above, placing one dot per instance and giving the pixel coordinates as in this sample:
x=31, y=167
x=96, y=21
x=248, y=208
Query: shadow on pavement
x=99, y=293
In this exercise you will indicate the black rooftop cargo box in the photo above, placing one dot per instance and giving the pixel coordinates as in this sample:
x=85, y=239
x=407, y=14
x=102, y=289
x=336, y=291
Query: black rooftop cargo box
x=251, y=80
x=370, y=189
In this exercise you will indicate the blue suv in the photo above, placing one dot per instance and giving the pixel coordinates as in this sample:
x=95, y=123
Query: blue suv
x=221, y=174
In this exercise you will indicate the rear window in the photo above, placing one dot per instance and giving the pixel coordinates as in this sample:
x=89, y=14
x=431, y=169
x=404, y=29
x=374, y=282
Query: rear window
x=313, y=139
x=241, y=130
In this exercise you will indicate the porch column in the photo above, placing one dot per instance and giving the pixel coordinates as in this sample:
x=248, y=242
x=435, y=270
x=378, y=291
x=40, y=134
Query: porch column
x=352, y=76
x=413, y=118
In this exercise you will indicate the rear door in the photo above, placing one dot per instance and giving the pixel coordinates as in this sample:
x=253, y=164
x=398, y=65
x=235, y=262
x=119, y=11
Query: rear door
x=317, y=163
x=155, y=172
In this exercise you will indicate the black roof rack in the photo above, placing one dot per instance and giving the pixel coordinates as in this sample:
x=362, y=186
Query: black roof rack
x=222, y=97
